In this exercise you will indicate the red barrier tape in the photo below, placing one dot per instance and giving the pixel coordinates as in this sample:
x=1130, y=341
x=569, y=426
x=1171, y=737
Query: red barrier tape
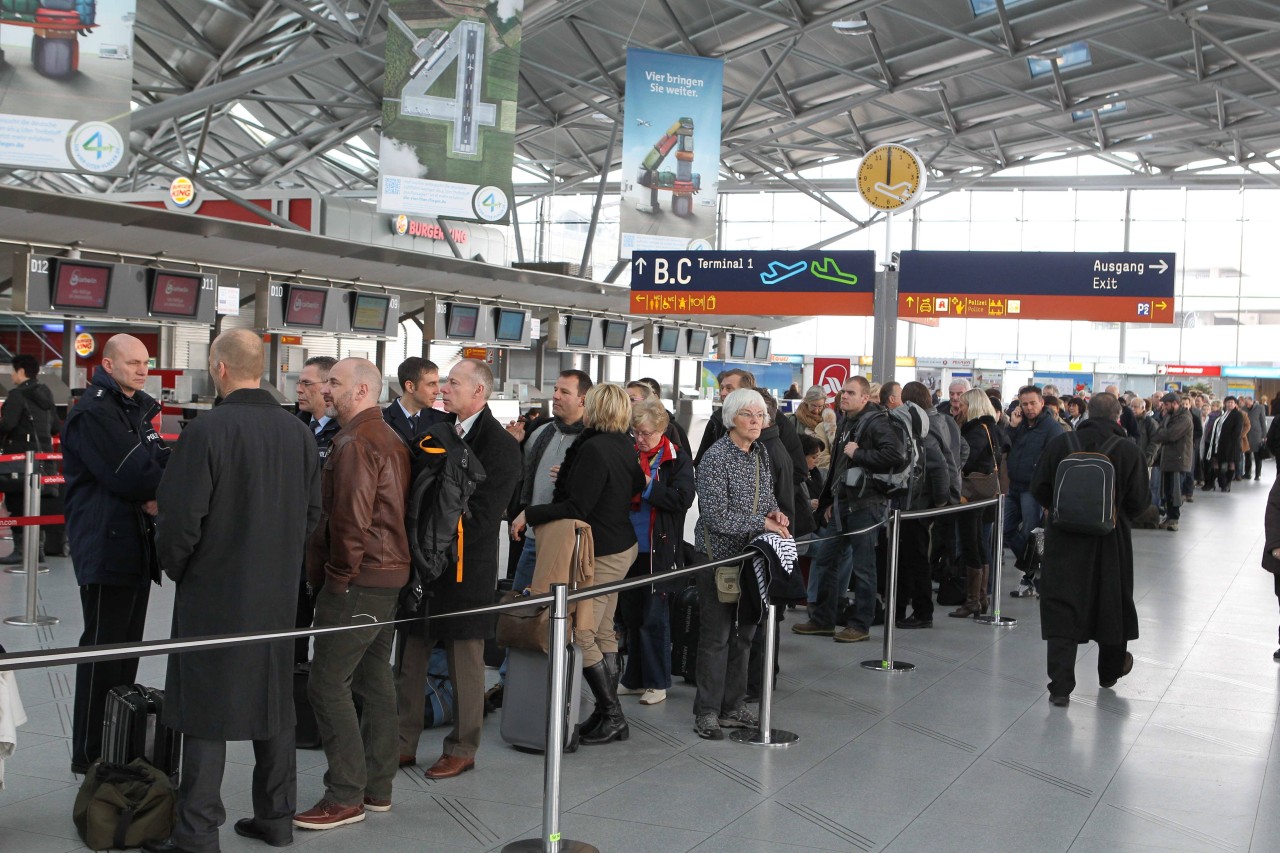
x=32, y=521
x=46, y=481
x=18, y=457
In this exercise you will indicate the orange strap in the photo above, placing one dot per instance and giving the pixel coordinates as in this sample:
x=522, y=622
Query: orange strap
x=459, y=550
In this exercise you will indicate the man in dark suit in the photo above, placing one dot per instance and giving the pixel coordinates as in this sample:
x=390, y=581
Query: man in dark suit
x=411, y=414
x=237, y=502
x=466, y=393
x=323, y=423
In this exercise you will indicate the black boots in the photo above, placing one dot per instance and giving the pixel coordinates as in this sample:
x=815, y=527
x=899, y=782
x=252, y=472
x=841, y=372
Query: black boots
x=611, y=725
x=613, y=661
x=974, y=593
x=615, y=675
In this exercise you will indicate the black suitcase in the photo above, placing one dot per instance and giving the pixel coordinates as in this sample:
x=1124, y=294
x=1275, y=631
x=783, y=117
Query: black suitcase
x=524, y=702
x=132, y=729
x=685, y=624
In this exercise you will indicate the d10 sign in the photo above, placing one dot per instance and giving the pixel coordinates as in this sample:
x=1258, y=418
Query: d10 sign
x=1114, y=287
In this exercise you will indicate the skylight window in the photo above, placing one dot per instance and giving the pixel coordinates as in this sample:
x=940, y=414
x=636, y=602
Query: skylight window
x=251, y=126
x=982, y=7
x=1086, y=115
x=1068, y=56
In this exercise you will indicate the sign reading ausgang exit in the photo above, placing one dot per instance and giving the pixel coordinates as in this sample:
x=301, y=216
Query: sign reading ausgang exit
x=763, y=283
x=1115, y=287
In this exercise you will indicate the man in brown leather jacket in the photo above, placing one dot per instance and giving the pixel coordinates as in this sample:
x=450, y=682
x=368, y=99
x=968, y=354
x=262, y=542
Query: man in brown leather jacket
x=357, y=561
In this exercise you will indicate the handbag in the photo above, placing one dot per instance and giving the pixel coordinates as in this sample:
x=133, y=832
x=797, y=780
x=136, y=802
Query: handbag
x=981, y=487
x=123, y=805
x=524, y=627
x=729, y=578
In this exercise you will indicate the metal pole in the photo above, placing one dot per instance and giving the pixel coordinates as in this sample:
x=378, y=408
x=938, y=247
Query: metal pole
x=557, y=680
x=995, y=620
x=30, y=544
x=28, y=468
x=886, y=662
x=766, y=735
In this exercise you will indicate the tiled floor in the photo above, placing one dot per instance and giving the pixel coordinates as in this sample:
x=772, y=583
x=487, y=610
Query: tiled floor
x=963, y=754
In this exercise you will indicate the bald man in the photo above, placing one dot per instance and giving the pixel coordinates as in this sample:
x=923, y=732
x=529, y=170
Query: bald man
x=113, y=460
x=357, y=561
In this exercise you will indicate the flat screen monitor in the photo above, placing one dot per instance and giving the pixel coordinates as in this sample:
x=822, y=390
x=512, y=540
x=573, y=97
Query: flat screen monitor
x=697, y=342
x=174, y=294
x=462, y=321
x=577, y=332
x=81, y=285
x=304, y=306
x=508, y=325
x=369, y=312
x=615, y=334
x=737, y=346
x=762, y=346
x=668, y=339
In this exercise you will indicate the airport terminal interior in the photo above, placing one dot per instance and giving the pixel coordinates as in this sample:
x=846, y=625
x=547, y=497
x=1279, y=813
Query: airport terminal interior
x=258, y=137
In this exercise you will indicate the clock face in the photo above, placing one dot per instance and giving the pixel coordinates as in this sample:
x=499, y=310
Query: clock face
x=891, y=177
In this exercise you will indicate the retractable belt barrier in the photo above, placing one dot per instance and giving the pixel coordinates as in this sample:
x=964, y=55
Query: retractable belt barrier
x=30, y=520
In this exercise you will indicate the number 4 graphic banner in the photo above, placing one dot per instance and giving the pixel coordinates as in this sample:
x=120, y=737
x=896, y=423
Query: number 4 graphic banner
x=449, y=110
x=66, y=98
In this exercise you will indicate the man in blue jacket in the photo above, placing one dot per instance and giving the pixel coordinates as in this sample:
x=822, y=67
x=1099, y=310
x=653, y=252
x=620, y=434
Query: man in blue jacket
x=1031, y=430
x=113, y=460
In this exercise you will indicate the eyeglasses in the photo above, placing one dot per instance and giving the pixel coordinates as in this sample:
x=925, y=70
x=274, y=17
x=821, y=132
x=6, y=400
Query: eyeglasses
x=646, y=435
x=753, y=416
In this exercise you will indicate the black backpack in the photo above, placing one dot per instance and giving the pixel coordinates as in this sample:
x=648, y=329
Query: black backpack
x=445, y=474
x=905, y=479
x=1084, y=489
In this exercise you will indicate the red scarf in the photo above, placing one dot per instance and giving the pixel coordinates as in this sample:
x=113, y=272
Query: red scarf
x=646, y=457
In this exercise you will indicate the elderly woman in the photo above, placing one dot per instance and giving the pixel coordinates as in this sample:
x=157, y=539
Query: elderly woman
x=813, y=417
x=979, y=430
x=736, y=502
x=596, y=483
x=657, y=514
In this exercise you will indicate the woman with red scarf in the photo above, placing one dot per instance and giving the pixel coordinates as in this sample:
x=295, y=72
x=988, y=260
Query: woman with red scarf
x=657, y=514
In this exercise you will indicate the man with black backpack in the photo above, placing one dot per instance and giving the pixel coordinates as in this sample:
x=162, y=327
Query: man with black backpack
x=868, y=444
x=1094, y=483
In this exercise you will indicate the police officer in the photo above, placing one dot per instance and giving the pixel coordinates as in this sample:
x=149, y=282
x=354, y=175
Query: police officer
x=113, y=461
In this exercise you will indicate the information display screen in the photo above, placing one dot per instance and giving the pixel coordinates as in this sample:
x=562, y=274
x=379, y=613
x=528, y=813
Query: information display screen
x=737, y=346
x=615, y=334
x=763, y=346
x=369, y=312
x=578, y=332
x=462, y=321
x=668, y=339
x=304, y=306
x=175, y=294
x=80, y=284
x=697, y=342
x=509, y=325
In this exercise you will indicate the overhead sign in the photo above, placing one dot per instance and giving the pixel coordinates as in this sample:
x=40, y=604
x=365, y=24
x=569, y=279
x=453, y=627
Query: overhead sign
x=72, y=113
x=1190, y=370
x=1114, y=287
x=831, y=374
x=670, y=151
x=51, y=286
x=449, y=110
x=761, y=283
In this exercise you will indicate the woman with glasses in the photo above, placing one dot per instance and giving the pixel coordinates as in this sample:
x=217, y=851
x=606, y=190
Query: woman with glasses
x=657, y=514
x=813, y=417
x=736, y=503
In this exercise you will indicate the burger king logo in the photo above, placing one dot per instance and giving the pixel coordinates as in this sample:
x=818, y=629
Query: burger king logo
x=182, y=192
x=400, y=224
x=85, y=344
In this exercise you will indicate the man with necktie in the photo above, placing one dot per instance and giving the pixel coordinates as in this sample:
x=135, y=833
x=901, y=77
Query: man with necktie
x=324, y=426
x=412, y=414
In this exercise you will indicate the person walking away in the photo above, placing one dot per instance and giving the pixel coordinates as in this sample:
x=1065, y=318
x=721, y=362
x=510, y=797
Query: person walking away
x=1257, y=435
x=28, y=422
x=237, y=502
x=1086, y=592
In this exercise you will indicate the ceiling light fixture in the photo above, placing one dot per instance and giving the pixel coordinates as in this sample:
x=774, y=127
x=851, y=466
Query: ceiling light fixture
x=853, y=28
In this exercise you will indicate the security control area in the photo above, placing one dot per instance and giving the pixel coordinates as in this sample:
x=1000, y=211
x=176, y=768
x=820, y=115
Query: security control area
x=1098, y=194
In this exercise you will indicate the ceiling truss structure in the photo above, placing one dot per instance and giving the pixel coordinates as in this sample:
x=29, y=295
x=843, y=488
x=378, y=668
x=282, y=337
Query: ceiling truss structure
x=244, y=95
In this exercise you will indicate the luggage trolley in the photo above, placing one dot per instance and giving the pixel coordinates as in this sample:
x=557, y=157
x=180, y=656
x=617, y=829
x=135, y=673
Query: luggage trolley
x=56, y=27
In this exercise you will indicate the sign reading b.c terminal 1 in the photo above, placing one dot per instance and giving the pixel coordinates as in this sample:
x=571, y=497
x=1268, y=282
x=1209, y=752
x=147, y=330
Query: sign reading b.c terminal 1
x=1112, y=287
x=759, y=283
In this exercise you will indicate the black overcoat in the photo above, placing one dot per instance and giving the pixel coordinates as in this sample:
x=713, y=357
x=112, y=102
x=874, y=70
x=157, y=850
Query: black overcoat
x=1229, y=439
x=499, y=453
x=1271, y=529
x=240, y=495
x=1086, y=585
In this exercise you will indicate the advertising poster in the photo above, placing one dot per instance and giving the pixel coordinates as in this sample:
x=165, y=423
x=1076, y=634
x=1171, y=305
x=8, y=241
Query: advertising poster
x=831, y=374
x=449, y=109
x=775, y=377
x=66, y=85
x=670, y=151
x=1068, y=384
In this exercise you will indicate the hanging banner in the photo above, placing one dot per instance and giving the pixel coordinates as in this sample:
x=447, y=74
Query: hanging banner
x=449, y=109
x=831, y=374
x=65, y=97
x=670, y=151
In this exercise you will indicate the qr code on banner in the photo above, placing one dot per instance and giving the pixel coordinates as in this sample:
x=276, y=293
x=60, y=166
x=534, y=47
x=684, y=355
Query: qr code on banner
x=391, y=186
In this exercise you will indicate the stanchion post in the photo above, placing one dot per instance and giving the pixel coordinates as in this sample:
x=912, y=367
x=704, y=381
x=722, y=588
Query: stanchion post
x=995, y=620
x=886, y=662
x=766, y=735
x=557, y=681
x=30, y=506
x=30, y=544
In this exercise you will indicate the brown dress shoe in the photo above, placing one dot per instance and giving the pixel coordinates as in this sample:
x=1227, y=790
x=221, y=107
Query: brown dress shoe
x=328, y=815
x=408, y=760
x=448, y=766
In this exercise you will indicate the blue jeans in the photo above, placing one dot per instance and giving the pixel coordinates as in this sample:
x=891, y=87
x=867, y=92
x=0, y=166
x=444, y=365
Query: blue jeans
x=816, y=552
x=1021, y=515
x=1171, y=484
x=523, y=577
x=845, y=557
x=1155, y=477
x=647, y=618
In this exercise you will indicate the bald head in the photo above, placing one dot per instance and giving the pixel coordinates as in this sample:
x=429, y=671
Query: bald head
x=354, y=385
x=467, y=389
x=236, y=359
x=125, y=359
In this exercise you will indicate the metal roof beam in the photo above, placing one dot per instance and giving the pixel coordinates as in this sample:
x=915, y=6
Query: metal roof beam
x=755, y=90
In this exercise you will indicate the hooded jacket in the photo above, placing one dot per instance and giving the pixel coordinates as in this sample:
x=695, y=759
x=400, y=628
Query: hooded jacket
x=20, y=434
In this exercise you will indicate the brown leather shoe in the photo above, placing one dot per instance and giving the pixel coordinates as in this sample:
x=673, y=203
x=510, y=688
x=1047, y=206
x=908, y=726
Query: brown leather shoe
x=448, y=766
x=328, y=815
x=408, y=760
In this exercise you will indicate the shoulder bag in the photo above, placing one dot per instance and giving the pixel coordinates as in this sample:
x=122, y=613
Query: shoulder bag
x=729, y=578
x=981, y=487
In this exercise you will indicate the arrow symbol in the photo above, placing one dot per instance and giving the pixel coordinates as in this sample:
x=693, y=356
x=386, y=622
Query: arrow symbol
x=639, y=265
x=911, y=300
x=1162, y=305
x=1162, y=267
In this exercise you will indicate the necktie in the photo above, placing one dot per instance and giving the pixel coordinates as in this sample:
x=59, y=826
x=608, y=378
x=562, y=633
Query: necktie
x=315, y=427
x=413, y=424
x=458, y=429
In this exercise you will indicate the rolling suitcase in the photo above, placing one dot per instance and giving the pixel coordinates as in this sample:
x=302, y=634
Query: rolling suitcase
x=132, y=729
x=524, y=703
x=684, y=633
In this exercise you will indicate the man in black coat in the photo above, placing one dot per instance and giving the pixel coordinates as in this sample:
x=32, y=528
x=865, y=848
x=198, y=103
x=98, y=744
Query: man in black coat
x=323, y=424
x=411, y=414
x=1271, y=539
x=28, y=422
x=113, y=459
x=237, y=502
x=466, y=394
x=1224, y=447
x=1086, y=591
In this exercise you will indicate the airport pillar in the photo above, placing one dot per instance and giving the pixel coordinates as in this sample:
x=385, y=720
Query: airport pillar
x=884, y=342
x=68, y=351
x=380, y=356
x=675, y=382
